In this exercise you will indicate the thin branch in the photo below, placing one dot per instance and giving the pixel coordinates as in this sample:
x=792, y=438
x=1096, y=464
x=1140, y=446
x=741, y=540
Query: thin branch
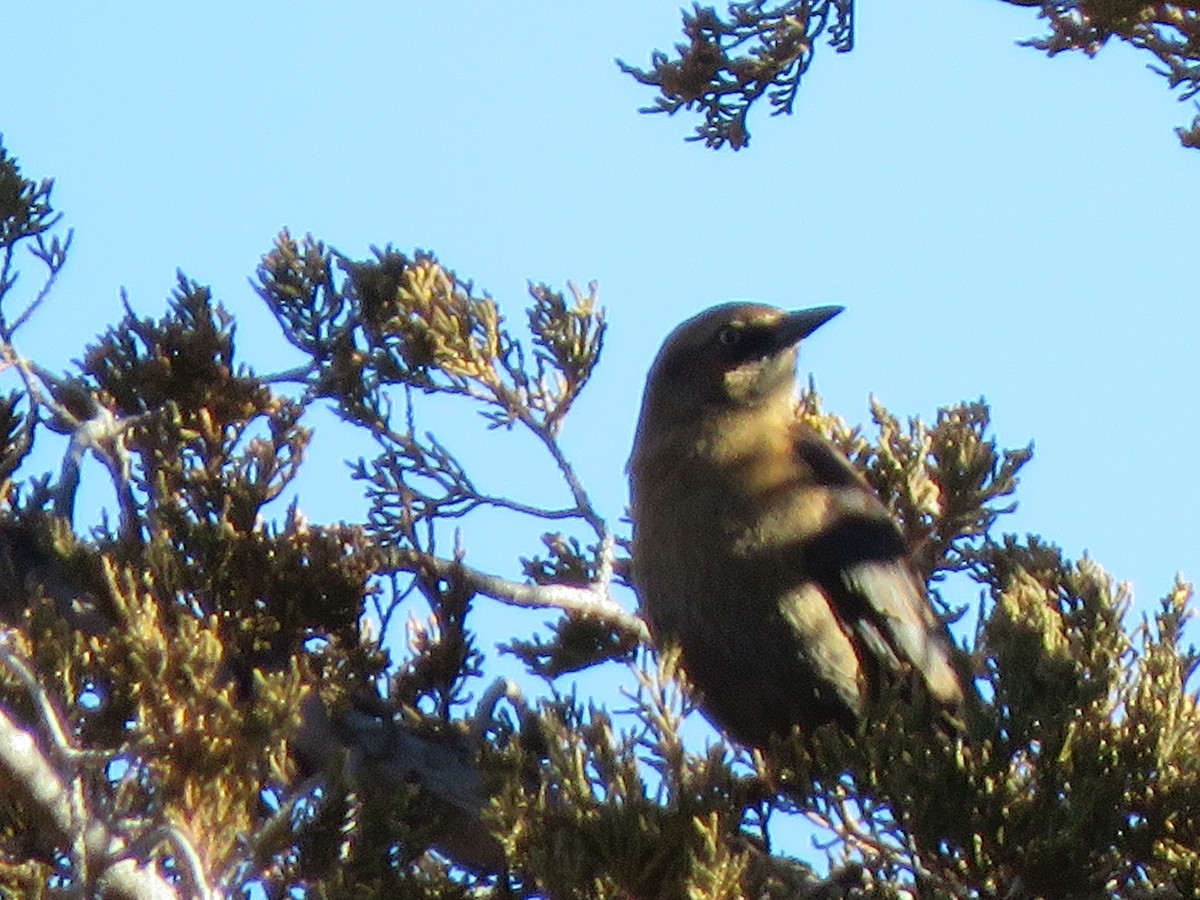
x=6, y=283
x=60, y=804
x=297, y=375
x=55, y=257
x=104, y=435
x=31, y=377
x=269, y=837
x=593, y=600
x=539, y=512
x=583, y=502
x=185, y=855
x=16, y=666
x=29, y=773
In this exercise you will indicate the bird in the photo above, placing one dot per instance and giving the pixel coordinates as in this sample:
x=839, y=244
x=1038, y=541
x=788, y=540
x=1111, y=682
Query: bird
x=757, y=547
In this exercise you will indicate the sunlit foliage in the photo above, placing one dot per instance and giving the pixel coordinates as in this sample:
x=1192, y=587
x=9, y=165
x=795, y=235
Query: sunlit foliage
x=196, y=698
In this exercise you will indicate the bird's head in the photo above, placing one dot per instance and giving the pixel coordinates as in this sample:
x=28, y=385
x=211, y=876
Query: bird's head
x=730, y=356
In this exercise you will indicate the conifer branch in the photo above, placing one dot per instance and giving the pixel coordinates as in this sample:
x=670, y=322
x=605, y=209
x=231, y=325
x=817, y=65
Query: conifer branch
x=99, y=854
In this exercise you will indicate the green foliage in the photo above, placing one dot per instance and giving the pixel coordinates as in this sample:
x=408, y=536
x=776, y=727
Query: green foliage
x=731, y=59
x=204, y=690
x=1170, y=32
x=25, y=210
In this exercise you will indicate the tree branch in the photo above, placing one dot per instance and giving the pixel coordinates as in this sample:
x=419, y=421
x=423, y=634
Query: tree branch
x=593, y=600
x=104, y=856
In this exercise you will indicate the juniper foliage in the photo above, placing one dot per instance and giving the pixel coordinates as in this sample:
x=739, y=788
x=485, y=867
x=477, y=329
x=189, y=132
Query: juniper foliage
x=192, y=701
x=730, y=59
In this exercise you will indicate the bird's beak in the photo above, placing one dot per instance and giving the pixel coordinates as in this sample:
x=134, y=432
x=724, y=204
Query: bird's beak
x=797, y=325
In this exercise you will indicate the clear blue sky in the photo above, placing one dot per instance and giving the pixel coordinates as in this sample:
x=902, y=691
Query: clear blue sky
x=997, y=223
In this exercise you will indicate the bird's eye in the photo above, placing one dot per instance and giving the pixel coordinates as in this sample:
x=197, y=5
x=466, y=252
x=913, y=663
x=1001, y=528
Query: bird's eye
x=728, y=336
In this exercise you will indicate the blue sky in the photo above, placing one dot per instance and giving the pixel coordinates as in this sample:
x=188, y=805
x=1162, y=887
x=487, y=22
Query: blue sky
x=996, y=223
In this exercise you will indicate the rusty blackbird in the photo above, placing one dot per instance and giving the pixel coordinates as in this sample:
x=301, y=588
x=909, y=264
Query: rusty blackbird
x=758, y=548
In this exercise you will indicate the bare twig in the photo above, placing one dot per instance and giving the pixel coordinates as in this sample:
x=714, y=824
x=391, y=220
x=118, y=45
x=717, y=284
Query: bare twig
x=54, y=255
x=485, y=710
x=527, y=509
x=583, y=503
x=593, y=600
x=298, y=375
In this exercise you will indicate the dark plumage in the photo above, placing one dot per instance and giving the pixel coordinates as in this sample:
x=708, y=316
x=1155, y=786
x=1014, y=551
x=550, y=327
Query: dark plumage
x=759, y=549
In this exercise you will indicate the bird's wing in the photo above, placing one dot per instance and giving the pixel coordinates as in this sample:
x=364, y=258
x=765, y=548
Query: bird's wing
x=859, y=557
x=900, y=626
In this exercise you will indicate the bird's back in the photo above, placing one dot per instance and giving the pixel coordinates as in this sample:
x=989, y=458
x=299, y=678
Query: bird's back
x=781, y=575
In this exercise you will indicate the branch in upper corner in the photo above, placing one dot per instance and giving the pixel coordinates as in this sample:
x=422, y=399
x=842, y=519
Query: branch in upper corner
x=1168, y=30
x=730, y=61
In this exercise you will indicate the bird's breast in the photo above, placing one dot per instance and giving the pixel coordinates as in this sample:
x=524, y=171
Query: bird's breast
x=702, y=518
